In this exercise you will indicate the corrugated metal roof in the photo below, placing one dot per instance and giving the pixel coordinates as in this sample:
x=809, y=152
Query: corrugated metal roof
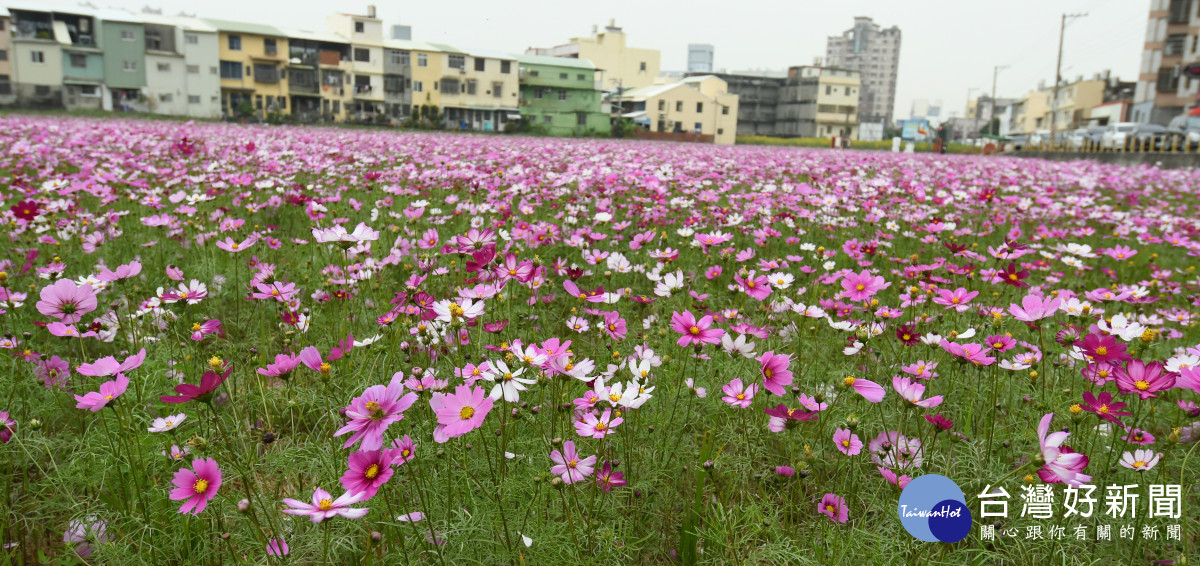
x=448, y=48
x=651, y=91
x=555, y=61
x=410, y=45
x=190, y=24
x=243, y=27
x=326, y=36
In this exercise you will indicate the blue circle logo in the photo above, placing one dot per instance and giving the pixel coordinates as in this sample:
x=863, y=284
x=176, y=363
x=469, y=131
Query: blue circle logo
x=932, y=508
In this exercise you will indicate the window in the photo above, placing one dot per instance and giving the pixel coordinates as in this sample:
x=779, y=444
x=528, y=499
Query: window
x=422, y=60
x=78, y=61
x=497, y=90
x=418, y=86
x=642, y=67
x=699, y=107
x=546, y=119
x=38, y=56
x=235, y=43
x=1174, y=45
x=562, y=94
x=360, y=27
x=847, y=91
x=679, y=106
x=2, y=29
x=449, y=86
x=283, y=102
x=193, y=69
x=533, y=73
x=1168, y=81
x=537, y=93
x=470, y=86
x=505, y=67
x=581, y=119
x=720, y=131
x=213, y=71
x=725, y=110
x=269, y=46
x=128, y=35
x=562, y=76
x=89, y=90
x=231, y=70
x=3, y=55
x=393, y=83
x=828, y=89
x=458, y=62
x=129, y=66
x=582, y=77
x=164, y=67
x=479, y=64
x=362, y=55
x=5, y=85
x=662, y=105
x=41, y=90
x=166, y=97
x=399, y=57
x=193, y=99
x=337, y=107
x=699, y=128
x=266, y=73
x=192, y=39
x=258, y=101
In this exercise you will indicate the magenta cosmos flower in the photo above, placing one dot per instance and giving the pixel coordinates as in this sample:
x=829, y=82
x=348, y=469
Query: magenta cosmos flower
x=862, y=286
x=757, y=287
x=377, y=408
x=67, y=301
x=607, y=479
x=6, y=427
x=914, y=392
x=834, y=507
x=737, y=394
x=847, y=442
x=870, y=390
x=1103, y=349
x=1144, y=379
x=569, y=466
x=109, y=365
x=1104, y=406
x=775, y=372
x=196, y=487
x=368, y=471
x=109, y=391
x=324, y=506
x=277, y=547
x=460, y=412
x=209, y=382
x=694, y=331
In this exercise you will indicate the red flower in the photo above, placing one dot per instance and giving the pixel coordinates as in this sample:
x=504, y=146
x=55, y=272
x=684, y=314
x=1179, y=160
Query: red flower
x=908, y=335
x=1104, y=406
x=26, y=210
x=203, y=392
x=939, y=421
x=781, y=411
x=1011, y=275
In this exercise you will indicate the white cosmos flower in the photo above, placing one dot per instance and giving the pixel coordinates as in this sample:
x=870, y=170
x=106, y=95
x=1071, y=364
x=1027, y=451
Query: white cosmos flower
x=740, y=346
x=508, y=384
x=167, y=423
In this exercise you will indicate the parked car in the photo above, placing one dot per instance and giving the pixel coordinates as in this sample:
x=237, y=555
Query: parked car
x=1186, y=132
x=1020, y=142
x=1077, y=139
x=1149, y=137
x=1039, y=137
x=1117, y=135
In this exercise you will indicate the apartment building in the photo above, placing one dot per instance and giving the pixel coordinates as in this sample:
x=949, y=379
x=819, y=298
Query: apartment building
x=365, y=34
x=1162, y=91
x=7, y=94
x=479, y=90
x=819, y=102
x=425, y=71
x=252, y=68
x=697, y=105
x=621, y=66
x=561, y=95
x=875, y=53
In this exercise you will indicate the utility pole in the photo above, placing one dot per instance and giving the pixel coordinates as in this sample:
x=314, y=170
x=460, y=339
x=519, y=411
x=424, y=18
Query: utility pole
x=1062, y=30
x=967, y=110
x=995, y=71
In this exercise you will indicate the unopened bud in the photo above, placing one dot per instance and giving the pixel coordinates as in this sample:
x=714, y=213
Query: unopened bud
x=243, y=506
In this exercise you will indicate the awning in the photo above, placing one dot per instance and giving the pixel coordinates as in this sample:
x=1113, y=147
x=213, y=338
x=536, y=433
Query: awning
x=84, y=82
x=1195, y=111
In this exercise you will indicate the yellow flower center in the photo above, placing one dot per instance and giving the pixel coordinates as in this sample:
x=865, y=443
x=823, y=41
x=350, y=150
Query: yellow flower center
x=1103, y=410
x=860, y=287
x=455, y=310
x=1142, y=384
x=849, y=380
x=694, y=330
x=750, y=284
x=600, y=426
x=195, y=326
x=200, y=486
x=614, y=397
x=767, y=372
x=1102, y=350
x=1139, y=464
x=572, y=463
x=829, y=508
x=846, y=443
x=325, y=504
x=741, y=396
x=1076, y=409
x=466, y=413
x=372, y=472
x=508, y=377
x=325, y=367
x=955, y=300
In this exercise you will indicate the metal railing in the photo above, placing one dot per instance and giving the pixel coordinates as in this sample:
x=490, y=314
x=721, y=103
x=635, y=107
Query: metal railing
x=1158, y=144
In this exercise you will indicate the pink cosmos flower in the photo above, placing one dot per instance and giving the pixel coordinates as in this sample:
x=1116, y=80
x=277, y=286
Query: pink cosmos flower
x=758, y=287
x=974, y=353
x=6, y=427
x=277, y=547
x=284, y=364
x=834, y=507
x=1034, y=308
x=862, y=286
x=374, y=411
x=109, y=391
x=1062, y=465
x=890, y=476
x=1144, y=379
x=607, y=479
x=367, y=471
x=108, y=365
x=774, y=371
x=1001, y=342
x=591, y=426
x=231, y=246
x=694, y=331
x=913, y=392
x=737, y=394
x=131, y=269
x=870, y=390
x=847, y=442
x=403, y=450
x=200, y=330
x=460, y=412
x=324, y=506
x=196, y=487
x=67, y=301
x=957, y=299
x=569, y=466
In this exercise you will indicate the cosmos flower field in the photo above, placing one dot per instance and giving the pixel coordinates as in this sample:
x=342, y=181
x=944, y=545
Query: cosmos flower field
x=270, y=345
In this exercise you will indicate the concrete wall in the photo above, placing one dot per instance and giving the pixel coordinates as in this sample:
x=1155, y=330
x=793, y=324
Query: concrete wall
x=165, y=84
x=1162, y=160
x=206, y=83
x=124, y=55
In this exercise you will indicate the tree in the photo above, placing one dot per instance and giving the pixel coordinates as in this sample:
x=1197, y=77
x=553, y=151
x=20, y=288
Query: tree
x=990, y=127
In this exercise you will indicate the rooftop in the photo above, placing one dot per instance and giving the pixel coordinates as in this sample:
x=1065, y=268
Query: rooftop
x=243, y=27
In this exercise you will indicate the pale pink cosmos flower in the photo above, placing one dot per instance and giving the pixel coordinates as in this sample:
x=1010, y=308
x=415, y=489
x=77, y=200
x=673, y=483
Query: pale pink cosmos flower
x=774, y=371
x=591, y=426
x=569, y=466
x=109, y=391
x=862, y=286
x=737, y=394
x=67, y=301
x=1034, y=308
x=232, y=246
x=460, y=412
x=957, y=299
x=108, y=365
x=131, y=269
x=377, y=408
x=870, y=390
x=913, y=392
x=847, y=442
x=324, y=506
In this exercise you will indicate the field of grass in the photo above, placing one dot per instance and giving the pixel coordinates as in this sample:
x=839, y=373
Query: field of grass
x=235, y=344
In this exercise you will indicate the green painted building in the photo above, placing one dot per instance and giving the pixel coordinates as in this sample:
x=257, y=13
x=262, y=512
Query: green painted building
x=561, y=95
x=124, y=46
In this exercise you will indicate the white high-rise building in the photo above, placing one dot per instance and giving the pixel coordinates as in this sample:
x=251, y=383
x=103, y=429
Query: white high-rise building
x=875, y=53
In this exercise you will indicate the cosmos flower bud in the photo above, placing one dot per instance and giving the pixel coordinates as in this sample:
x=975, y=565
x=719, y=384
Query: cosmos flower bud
x=556, y=482
x=851, y=421
x=862, y=333
x=708, y=464
x=198, y=443
x=440, y=454
x=376, y=536
x=268, y=437
x=35, y=424
x=243, y=506
x=224, y=536
x=556, y=441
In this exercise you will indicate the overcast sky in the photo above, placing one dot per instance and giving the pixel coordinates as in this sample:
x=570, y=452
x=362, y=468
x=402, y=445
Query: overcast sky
x=948, y=46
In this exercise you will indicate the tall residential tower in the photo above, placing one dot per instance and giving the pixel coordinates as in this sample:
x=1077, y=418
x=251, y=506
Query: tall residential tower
x=875, y=53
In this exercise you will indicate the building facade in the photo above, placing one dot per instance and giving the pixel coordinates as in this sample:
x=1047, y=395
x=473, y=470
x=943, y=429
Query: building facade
x=37, y=56
x=818, y=102
x=700, y=58
x=621, y=66
x=561, y=95
x=7, y=94
x=252, y=69
x=366, y=61
x=696, y=105
x=124, y=45
x=875, y=53
x=479, y=90
x=1162, y=91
